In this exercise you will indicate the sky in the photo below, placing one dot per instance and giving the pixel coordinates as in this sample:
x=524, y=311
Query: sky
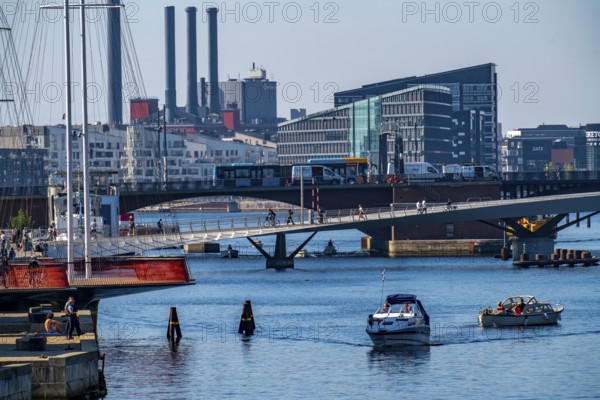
x=547, y=52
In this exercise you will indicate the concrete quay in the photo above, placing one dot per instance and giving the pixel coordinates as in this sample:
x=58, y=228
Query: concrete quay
x=58, y=369
x=440, y=248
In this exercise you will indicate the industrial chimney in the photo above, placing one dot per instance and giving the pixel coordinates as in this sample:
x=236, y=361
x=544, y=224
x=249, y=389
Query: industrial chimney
x=213, y=62
x=115, y=85
x=192, y=68
x=170, y=92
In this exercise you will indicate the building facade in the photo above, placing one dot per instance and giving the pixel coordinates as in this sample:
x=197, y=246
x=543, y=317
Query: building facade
x=473, y=88
x=419, y=117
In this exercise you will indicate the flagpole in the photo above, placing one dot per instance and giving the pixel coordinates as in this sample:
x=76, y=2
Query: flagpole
x=382, y=285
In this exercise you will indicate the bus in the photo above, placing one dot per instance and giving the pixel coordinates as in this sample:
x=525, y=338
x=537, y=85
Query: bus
x=353, y=169
x=249, y=175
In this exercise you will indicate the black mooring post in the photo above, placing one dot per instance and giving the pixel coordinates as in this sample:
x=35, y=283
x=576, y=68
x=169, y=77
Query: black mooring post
x=174, y=328
x=247, y=325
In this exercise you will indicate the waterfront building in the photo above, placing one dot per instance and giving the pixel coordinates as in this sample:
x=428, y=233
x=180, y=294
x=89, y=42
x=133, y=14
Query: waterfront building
x=472, y=88
x=421, y=116
x=552, y=146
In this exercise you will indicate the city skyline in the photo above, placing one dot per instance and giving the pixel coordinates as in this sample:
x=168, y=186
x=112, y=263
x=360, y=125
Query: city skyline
x=313, y=49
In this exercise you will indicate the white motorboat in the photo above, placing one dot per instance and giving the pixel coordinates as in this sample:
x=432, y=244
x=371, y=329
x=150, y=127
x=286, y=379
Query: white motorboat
x=402, y=321
x=520, y=311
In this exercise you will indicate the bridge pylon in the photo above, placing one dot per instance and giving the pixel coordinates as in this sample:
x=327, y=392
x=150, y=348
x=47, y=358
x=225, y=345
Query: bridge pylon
x=280, y=260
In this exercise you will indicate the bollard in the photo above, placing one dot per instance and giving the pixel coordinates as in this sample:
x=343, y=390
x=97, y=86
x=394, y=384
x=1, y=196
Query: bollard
x=524, y=257
x=174, y=327
x=504, y=255
x=247, y=325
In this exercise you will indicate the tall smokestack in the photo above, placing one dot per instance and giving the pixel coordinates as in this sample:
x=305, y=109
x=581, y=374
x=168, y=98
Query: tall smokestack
x=203, y=92
x=192, y=66
x=170, y=92
x=115, y=94
x=213, y=62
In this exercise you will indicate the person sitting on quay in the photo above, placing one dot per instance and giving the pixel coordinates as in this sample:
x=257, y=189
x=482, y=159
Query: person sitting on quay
x=52, y=325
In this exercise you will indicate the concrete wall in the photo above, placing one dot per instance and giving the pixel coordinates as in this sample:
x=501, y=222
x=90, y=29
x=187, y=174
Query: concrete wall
x=15, y=382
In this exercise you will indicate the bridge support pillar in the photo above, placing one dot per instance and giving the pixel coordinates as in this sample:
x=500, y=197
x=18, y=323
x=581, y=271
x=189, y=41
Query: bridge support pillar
x=532, y=246
x=280, y=260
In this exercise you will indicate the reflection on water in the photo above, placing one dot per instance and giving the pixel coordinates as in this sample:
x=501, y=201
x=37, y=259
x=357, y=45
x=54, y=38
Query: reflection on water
x=390, y=361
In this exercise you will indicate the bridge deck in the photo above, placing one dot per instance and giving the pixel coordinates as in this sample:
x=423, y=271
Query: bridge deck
x=237, y=227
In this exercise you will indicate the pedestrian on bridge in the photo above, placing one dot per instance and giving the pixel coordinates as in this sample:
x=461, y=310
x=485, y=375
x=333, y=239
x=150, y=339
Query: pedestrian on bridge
x=131, y=226
x=290, y=217
x=361, y=213
x=159, y=224
x=419, y=209
x=423, y=207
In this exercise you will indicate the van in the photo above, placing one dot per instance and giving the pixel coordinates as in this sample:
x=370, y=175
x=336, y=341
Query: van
x=479, y=172
x=422, y=171
x=323, y=175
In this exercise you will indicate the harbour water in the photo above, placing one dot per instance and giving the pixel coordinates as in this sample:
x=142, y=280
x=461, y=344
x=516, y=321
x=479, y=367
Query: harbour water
x=311, y=340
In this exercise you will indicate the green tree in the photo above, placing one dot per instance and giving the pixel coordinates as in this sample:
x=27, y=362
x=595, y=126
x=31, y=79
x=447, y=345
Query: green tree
x=21, y=221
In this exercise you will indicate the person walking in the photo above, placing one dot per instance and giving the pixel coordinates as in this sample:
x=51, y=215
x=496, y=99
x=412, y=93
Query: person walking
x=93, y=228
x=290, y=217
x=131, y=226
x=419, y=209
x=4, y=270
x=423, y=207
x=361, y=213
x=73, y=319
x=159, y=224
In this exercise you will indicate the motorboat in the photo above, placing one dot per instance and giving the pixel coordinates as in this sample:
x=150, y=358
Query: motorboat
x=520, y=311
x=402, y=321
x=330, y=249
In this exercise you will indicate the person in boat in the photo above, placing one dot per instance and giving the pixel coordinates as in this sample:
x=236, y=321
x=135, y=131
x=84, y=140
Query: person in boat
x=500, y=308
x=52, y=325
x=386, y=307
x=406, y=309
x=519, y=307
x=229, y=250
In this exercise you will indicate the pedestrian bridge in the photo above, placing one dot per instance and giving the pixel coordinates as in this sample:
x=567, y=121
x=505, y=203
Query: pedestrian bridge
x=396, y=215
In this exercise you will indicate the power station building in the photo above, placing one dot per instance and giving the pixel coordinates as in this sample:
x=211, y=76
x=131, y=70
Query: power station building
x=448, y=117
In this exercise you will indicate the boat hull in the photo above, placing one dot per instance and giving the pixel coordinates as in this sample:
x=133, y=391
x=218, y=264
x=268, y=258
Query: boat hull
x=549, y=318
x=417, y=336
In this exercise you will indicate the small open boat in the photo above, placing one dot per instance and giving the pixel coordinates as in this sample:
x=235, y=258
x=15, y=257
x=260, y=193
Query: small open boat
x=402, y=321
x=520, y=311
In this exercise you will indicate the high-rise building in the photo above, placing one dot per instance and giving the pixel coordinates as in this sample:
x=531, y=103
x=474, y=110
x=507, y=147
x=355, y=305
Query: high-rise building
x=255, y=97
x=472, y=88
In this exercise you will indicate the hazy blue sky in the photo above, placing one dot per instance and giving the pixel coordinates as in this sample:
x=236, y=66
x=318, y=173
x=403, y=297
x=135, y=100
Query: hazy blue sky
x=547, y=52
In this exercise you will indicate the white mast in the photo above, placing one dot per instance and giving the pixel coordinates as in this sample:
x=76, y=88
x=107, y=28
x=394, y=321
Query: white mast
x=69, y=154
x=85, y=150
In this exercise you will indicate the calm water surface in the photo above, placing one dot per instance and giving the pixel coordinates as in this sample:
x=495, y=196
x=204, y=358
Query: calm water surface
x=311, y=341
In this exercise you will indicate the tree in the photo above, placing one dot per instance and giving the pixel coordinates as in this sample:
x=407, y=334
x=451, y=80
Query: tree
x=22, y=220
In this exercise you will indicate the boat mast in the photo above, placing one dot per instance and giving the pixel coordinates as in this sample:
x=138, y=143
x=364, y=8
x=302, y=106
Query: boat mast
x=68, y=133
x=85, y=150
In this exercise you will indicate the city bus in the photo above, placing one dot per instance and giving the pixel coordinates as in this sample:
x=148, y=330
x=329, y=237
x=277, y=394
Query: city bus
x=353, y=170
x=249, y=175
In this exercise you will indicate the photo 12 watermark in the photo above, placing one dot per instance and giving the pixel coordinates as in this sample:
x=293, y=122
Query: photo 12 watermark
x=470, y=11
x=291, y=12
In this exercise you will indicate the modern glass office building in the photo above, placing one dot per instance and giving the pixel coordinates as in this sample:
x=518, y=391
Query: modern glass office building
x=420, y=117
x=472, y=89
